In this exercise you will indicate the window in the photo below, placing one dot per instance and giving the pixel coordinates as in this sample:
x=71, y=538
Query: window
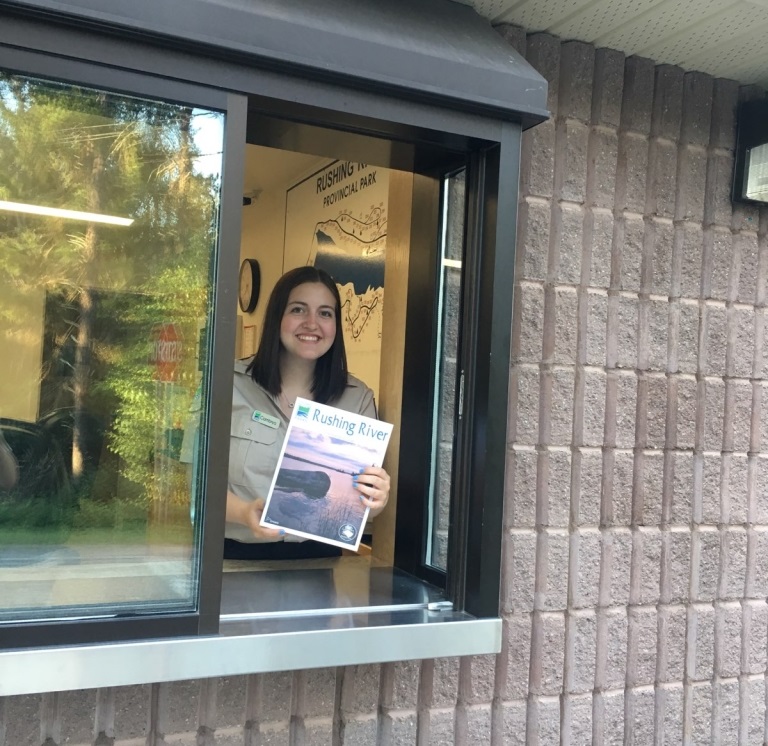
x=383, y=233
x=135, y=330
x=108, y=239
x=447, y=397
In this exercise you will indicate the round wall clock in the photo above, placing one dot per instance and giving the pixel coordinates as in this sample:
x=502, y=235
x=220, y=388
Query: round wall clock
x=250, y=285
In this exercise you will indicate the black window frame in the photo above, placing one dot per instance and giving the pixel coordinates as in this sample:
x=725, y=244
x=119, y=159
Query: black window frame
x=41, y=45
x=206, y=619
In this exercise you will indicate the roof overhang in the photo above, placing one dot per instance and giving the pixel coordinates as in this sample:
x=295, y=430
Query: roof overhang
x=432, y=50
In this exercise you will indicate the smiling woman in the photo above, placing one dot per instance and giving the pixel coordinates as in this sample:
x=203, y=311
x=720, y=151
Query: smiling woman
x=301, y=355
x=307, y=331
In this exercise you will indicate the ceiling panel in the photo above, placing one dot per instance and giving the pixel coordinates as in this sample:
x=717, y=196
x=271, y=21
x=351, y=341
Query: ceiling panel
x=591, y=21
x=739, y=53
x=538, y=15
x=703, y=40
x=725, y=38
x=492, y=9
x=661, y=22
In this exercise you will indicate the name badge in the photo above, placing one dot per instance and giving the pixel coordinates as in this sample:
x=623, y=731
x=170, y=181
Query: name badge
x=265, y=419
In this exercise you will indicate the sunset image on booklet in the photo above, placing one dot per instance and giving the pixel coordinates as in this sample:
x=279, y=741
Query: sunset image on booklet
x=312, y=493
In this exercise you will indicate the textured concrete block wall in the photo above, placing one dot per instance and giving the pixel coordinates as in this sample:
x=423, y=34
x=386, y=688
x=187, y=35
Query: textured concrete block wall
x=636, y=549
x=636, y=522
x=428, y=702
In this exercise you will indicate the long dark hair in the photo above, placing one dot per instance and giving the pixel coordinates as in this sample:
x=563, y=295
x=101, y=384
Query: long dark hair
x=330, y=370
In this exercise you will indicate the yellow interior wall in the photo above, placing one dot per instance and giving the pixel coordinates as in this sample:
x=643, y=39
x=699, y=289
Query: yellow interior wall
x=21, y=349
x=263, y=229
x=263, y=238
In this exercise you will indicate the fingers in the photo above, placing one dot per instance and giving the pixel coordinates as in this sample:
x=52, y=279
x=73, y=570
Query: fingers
x=254, y=522
x=248, y=513
x=373, y=484
x=262, y=532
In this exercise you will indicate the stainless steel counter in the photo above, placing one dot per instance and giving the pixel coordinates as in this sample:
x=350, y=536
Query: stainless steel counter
x=337, y=613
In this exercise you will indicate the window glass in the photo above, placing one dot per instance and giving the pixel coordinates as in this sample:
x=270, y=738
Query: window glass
x=757, y=173
x=444, y=405
x=108, y=229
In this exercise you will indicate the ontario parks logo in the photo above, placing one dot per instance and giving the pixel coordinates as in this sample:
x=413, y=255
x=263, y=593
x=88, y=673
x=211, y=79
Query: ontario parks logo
x=303, y=412
x=347, y=531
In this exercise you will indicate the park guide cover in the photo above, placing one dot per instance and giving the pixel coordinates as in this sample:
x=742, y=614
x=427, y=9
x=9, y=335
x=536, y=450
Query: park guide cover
x=312, y=494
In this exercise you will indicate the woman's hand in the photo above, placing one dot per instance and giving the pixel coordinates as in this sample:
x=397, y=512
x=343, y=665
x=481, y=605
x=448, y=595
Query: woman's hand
x=248, y=513
x=373, y=485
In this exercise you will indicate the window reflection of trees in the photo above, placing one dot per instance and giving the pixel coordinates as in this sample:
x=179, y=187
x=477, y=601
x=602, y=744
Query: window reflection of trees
x=105, y=288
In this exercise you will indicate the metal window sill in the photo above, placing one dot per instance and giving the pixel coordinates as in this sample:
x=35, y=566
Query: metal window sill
x=392, y=617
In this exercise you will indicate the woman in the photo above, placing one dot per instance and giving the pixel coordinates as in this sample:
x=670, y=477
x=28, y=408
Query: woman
x=301, y=354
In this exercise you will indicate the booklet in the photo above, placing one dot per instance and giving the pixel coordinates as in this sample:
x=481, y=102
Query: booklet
x=312, y=493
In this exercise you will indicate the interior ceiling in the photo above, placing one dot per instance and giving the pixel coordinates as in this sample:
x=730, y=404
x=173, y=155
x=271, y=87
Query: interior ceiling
x=725, y=38
x=269, y=169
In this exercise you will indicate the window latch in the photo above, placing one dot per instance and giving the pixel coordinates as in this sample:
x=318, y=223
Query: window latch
x=461, y=394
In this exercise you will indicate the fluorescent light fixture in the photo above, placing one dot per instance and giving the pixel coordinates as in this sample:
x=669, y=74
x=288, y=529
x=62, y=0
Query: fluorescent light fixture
x=55, y=212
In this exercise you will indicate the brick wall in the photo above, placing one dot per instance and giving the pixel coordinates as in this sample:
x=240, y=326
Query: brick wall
x=636, y=546
x=636, y=559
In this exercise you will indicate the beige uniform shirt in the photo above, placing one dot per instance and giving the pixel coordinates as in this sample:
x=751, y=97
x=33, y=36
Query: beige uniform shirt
x=256, y=438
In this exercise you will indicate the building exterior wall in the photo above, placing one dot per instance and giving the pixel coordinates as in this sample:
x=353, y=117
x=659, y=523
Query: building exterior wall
x=636, y=567
x=636, y=527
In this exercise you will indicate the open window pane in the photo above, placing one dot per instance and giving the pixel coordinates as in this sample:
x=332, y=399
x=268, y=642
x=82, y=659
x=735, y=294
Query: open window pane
x=446, y=356
x=332, y=213
x=108, y=228
x=376, y=230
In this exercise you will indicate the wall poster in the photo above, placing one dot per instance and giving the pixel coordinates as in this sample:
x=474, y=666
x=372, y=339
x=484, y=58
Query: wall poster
x=336, y=219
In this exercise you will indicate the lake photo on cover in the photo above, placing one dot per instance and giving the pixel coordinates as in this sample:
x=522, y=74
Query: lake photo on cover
x=313, y=494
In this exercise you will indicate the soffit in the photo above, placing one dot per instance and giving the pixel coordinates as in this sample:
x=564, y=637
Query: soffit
x=725, y=38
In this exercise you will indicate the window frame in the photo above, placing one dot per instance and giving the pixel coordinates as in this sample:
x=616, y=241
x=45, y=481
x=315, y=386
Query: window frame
x=418, y=129
x=206, y=619
x=478, y=519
